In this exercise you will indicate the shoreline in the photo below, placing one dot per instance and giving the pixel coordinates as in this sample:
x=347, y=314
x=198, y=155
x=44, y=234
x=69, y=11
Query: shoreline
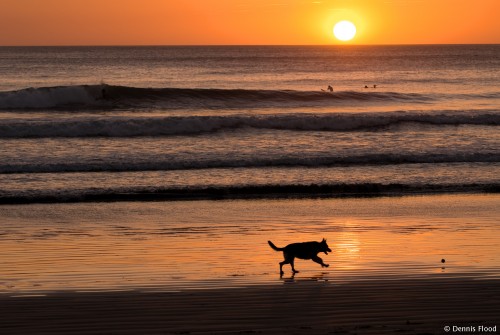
x=264, y=192
x=411, y=306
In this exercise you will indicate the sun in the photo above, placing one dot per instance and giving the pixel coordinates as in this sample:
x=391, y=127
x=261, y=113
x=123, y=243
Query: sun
x=344, y=30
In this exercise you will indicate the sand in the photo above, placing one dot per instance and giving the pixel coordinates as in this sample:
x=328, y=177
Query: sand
x=377, y=306
x=205, y=267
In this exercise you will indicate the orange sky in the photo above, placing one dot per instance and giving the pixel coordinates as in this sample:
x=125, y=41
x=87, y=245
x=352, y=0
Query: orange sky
x=164, y=22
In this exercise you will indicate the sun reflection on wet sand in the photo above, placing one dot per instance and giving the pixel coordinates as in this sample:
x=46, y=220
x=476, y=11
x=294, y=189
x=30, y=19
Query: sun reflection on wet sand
x=205, y=244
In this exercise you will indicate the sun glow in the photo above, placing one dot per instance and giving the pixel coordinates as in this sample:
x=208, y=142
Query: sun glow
x=344, y=30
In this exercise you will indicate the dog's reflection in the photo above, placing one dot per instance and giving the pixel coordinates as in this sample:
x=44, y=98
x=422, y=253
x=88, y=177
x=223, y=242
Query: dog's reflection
x=317, y=278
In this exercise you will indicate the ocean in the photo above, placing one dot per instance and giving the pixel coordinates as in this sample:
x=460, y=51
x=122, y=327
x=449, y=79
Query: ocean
x=132, y=123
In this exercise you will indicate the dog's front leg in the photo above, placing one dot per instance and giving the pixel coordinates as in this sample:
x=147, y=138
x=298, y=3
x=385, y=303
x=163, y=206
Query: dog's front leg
x=293, y=268
x=320, y=261
x=281, y=267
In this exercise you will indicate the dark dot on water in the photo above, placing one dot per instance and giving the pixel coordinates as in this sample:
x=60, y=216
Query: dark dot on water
x=443, y=260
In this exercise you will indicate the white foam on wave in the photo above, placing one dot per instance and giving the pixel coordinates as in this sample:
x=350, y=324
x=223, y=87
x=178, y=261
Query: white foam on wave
x=113, y=126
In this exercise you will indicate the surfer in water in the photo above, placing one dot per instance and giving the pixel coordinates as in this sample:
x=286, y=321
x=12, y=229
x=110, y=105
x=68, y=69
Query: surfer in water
x=329, y=89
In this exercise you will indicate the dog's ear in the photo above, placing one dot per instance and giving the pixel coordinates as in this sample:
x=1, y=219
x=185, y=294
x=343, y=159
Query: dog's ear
x=324, y=240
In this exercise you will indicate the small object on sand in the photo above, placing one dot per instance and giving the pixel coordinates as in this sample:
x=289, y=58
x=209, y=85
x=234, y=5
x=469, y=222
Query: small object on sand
x=443, y=260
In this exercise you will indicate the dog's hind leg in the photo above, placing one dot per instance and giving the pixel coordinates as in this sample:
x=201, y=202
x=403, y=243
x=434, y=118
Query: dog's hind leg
x=281, y=267
x=292, y=264
x=288, y=260
x=320, y=261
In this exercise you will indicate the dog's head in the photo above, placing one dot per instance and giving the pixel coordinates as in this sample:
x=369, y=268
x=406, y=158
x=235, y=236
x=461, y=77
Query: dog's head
x=324, y=247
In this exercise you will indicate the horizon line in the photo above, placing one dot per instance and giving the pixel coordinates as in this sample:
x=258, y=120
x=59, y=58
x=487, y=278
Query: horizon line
x=240, y=45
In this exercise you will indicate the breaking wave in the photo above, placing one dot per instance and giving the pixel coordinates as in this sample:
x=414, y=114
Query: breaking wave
x=123, y=126
x=108, y=96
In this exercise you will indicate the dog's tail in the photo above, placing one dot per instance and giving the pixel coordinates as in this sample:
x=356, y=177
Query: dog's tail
x=274, y=247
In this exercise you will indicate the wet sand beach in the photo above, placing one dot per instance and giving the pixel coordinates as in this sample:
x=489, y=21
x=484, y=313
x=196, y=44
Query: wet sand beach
x=205, y=266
